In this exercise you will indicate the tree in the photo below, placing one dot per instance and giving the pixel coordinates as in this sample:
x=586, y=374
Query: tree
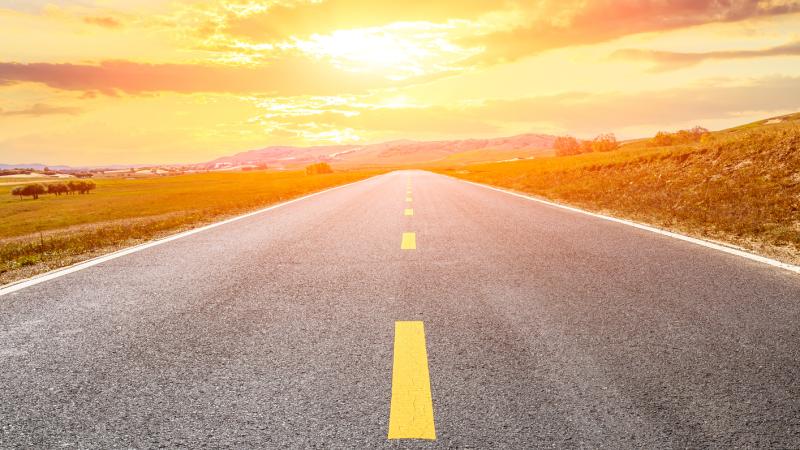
x=664, y=139
x=699, y=132
x=566, y=145
x=81, y=187
x=661, y=139
x=88, y=186
x=318, y=168
x=30, y=190
x=73, y=186
x=57, y=188
x=605, y=143
x=17, y=191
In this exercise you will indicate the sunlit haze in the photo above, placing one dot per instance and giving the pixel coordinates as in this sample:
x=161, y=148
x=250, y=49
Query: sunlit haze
x=152, y=81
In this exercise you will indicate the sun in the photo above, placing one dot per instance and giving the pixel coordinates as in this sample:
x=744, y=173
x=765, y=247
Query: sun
x=398, y=51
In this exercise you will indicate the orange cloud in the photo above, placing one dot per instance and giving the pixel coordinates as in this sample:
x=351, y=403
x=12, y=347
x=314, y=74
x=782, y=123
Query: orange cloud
x=103, y=21
x=676, y=60
x=431, y=120
x=577, y=112
x=303, y=18
x=562, y=23
x=290, y=76
x=597, y=112
x=40, y=109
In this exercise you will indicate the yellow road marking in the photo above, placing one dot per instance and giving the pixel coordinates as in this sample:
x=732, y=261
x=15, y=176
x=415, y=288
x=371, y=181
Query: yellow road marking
x=408, y=212
x=408, y=199
x=409, y=241
x=411, y=411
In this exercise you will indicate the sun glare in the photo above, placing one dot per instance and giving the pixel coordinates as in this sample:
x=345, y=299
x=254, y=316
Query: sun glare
x=398, y=52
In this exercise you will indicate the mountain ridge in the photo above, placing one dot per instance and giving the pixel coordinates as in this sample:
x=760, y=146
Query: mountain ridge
x=401, y=151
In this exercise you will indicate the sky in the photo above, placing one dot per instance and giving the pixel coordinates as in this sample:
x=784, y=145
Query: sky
x=92, y=82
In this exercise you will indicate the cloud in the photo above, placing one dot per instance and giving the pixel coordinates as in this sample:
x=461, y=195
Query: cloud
x=289, y=76
x=562, y=23
x=674, y=60
x=431, y=120
x=577, y=112
x=280, y=21
x=40, y=109
x=609, y=111
x=103, y=21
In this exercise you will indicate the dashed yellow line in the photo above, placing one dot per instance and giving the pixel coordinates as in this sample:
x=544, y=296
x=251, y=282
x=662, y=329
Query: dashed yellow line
x=408, y=212
x=411, y=411
x=408, y=199
x=409, y=241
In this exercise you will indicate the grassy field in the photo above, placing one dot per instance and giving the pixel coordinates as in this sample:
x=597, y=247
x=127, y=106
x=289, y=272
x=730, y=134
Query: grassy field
x=740, y=186
x=478, y=156
x=53, y=231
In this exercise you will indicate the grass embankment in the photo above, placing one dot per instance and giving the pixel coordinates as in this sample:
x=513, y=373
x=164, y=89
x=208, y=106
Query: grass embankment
x=54, y=231
x=740, y=186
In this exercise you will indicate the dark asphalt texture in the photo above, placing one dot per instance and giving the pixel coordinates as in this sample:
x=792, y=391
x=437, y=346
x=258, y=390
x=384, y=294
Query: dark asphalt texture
x=545, y=328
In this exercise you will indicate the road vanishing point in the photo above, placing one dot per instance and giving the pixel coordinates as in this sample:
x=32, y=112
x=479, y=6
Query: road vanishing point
x=408, y=310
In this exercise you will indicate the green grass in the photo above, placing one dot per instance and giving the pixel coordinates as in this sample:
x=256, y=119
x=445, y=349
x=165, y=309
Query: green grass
x=38, y=235
x=740, y=185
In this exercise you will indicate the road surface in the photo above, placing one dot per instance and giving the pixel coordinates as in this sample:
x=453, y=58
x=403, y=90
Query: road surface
x=543, y=327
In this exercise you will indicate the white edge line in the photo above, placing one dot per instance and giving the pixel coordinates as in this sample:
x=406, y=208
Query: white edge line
x=682, y=237
x=47, y=276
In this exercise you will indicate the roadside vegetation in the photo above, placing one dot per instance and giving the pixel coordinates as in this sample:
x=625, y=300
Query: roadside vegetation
x=740, y=186
x=34, y=190
x=318, y=168
x=58, y=230
x=568, y=145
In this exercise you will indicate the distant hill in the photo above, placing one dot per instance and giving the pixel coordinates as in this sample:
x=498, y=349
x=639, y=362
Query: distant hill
x=391, y=153
x=40, y=166
x=400, y=152
x=33, y=166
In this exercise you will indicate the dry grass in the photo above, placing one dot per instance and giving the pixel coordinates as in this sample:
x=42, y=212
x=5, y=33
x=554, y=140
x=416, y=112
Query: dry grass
x=40, y=235
x=740, y=186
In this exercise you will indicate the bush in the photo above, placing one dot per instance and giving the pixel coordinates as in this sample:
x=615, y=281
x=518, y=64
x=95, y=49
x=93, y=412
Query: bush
x=318, y=168
x=81, y=187
x=665, y=139
x=605, y=143
x=29, y=190
x=36, y=189
x=57, y=188
x=566, y=145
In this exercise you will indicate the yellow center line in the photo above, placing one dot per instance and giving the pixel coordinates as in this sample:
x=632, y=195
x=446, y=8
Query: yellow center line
x=411, y=411
x=408, y=199
x=409, y=241
x=408, y=212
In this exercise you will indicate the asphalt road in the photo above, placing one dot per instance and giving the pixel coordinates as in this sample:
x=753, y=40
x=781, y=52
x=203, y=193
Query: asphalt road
x=544, y=328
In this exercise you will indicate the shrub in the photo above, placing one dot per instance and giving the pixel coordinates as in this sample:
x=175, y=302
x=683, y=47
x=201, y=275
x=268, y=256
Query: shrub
x=17, y=191
x=29, y=190
x=318, y=168
x=665, y=139
x=57, y=188
x=81, y=187
x=605, y=143
x=566, y=145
